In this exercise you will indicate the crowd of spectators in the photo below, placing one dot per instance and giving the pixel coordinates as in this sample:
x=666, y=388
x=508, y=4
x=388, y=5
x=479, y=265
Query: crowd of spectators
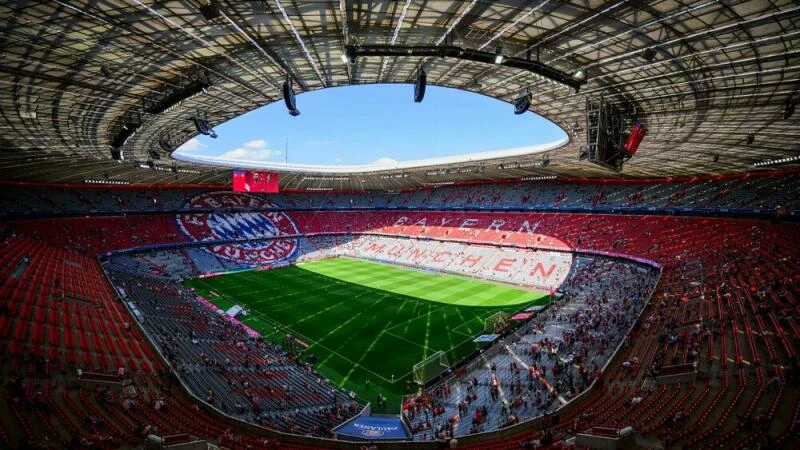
x=246, y=377
x=540, y=367
x=547, y=362
x=745, y=264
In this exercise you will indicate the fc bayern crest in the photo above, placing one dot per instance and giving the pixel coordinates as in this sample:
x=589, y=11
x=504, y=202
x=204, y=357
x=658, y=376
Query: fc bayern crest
x=240, y=226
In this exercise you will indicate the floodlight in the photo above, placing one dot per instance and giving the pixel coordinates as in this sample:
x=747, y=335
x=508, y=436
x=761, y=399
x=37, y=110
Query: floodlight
x=498, y=56
x=210, y=11
x=788, y=111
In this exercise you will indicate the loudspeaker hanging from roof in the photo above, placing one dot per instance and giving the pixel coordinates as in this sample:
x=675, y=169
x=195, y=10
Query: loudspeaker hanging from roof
x=203, y=127
x=522, y=104
x=289, y=98
x=419, y=86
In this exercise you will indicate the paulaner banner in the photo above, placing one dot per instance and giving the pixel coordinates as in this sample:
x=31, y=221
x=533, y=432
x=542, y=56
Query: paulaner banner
x=374, y=428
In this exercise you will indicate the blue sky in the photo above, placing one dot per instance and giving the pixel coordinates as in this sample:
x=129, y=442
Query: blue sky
x=372, y=123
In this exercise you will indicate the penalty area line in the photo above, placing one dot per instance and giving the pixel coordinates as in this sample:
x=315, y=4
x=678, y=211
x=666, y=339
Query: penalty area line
x=409, y=341
x=329, y=350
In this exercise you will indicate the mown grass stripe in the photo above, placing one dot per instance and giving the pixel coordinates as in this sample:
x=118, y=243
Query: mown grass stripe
x=367, y=320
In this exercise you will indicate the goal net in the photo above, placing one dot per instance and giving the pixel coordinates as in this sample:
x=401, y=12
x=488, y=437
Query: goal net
x=496, y=322
x=430, y=367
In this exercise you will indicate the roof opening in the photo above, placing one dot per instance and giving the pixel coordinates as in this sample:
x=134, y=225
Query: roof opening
x=374, y=127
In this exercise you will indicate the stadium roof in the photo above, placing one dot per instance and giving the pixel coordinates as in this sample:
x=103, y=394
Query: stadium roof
x=711, y=80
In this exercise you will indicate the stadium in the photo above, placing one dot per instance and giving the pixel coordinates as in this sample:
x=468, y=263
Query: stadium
x=634, y=284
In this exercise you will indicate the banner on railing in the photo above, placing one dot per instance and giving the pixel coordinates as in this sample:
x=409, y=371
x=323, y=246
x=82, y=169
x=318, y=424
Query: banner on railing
x=374, y=428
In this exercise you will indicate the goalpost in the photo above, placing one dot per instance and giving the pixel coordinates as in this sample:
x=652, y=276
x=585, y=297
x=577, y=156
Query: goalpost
x=430, y=368
x=496, y=322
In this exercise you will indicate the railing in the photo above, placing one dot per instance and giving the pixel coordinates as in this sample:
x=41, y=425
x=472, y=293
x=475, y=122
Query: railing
x=748, y=213
x=493, y=350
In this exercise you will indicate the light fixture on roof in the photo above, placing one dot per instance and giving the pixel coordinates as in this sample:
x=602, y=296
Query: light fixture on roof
x=648, y=54
x=580, y=74
x=533, y=66
x=165, y=144
x=539, y=178
x=498, y=55
x=788, y=111
x=104, y=181
x=324, y=178
x=26, y=113
x=210, y=10
x=394, y=175
x=349, y=56
x=583, y=154
x=511, y=165
x=126, y=131
x=770, y=162
x=200, y=82
x=204, y=80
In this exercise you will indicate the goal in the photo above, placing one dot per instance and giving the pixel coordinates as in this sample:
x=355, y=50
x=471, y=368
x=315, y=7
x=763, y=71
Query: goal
x=430, y=367
x=496, y=322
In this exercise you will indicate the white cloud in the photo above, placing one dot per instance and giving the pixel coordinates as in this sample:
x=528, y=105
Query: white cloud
x=191, y=145
x=385, y=161
x=258, y=143
x=338, y=160
x=256, y=150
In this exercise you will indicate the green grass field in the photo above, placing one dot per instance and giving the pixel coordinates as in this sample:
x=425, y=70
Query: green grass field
x=365, y=320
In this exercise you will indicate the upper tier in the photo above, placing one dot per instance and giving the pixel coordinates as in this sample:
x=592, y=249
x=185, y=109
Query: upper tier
x=761, y=194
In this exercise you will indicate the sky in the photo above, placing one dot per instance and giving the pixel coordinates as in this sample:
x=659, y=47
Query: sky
x=365, y=124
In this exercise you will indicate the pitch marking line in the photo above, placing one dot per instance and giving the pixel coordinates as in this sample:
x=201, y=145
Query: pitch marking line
x=352, y=334
x=407, y=340
x=309, y=299
x=306, y=338
x=263, y=316
x=364, y=355
x=326, y=290
x=417, y=317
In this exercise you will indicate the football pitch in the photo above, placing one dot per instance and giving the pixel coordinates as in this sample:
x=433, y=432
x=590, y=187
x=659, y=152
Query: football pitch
x=364, y=320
